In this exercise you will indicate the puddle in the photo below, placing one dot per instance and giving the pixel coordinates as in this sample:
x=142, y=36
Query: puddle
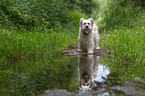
x=90, y=70
x=93, y=75
x=70, y=75
x=103, y=71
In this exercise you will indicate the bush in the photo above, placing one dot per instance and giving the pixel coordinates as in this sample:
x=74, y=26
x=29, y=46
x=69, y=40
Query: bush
x=44, y=13
x=117, y=12
x=85, y=6
x=33, y=13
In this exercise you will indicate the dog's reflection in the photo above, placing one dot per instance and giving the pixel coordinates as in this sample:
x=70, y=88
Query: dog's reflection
x=87, y=70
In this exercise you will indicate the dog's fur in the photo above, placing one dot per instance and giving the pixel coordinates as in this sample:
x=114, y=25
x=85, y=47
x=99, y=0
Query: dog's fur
x=88, y=38
x=87, y=69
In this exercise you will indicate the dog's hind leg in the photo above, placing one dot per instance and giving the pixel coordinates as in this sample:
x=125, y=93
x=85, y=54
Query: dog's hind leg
x=97, y=42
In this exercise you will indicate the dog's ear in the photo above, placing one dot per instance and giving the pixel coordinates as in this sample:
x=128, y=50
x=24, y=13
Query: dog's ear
x=81, y=20
x=92, y=21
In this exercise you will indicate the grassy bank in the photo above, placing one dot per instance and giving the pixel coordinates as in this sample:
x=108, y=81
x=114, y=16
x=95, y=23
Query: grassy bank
x=16, y=44
x=126, y=50
x=126, y=44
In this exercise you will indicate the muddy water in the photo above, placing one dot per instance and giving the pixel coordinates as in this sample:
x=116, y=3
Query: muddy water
x=73, y=75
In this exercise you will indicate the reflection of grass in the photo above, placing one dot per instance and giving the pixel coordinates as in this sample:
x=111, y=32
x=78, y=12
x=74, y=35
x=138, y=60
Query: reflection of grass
x=33, y=76
x=17, y=44
x=125, y=71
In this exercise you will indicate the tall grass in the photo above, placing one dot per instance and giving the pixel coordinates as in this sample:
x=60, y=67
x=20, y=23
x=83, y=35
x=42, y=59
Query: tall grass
x=19, y=44
x=127, y=44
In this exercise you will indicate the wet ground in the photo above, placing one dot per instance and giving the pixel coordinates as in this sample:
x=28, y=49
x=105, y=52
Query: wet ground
x=72, y=50
x=71, y=74
x=95, y=78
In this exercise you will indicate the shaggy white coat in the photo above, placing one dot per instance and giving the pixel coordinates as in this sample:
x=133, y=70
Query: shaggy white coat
x=88, y=38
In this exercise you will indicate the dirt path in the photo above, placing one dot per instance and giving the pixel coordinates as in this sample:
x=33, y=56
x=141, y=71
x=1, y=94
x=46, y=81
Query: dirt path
x=72, y=50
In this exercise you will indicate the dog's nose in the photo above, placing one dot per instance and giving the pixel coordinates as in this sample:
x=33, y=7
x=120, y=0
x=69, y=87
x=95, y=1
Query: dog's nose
x=86, y=26
x=86, y=81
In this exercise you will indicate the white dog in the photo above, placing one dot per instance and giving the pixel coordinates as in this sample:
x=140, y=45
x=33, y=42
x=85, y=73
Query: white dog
x=88, y=38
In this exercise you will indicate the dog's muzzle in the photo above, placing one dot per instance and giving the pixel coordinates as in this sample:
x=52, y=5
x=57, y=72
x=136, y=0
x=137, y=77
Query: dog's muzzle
x=86, y=31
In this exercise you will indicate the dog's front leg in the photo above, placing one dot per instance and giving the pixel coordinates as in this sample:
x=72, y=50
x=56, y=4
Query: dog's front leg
x=79, y=47
x=90, y=48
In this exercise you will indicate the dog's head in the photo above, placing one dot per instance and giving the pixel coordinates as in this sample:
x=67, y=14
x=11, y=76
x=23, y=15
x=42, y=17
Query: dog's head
x=86, y=25
x=85, y=82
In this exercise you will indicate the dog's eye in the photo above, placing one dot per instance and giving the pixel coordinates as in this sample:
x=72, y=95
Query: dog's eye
x=84, y=23
x=88, y=23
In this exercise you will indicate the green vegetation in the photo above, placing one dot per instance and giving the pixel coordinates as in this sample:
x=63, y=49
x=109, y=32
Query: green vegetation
x=17, y=44
x=124, y=35
x=31, y=28
x=40, y=13
x=33, y=34
x=122, y=24
x=114, y=13
x=42, y=28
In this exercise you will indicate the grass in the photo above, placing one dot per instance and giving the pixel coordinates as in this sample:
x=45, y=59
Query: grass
x=126, y=44
x=17, y=44
x=126, y=49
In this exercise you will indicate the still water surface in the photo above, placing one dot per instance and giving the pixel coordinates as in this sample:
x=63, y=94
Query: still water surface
x=76, y=74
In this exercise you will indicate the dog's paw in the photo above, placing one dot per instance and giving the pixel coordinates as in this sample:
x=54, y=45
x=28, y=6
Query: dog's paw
x=79, y=50
x=90, y=52
x=98, y=48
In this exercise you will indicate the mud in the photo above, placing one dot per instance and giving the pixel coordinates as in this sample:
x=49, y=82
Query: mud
x=72, y=50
